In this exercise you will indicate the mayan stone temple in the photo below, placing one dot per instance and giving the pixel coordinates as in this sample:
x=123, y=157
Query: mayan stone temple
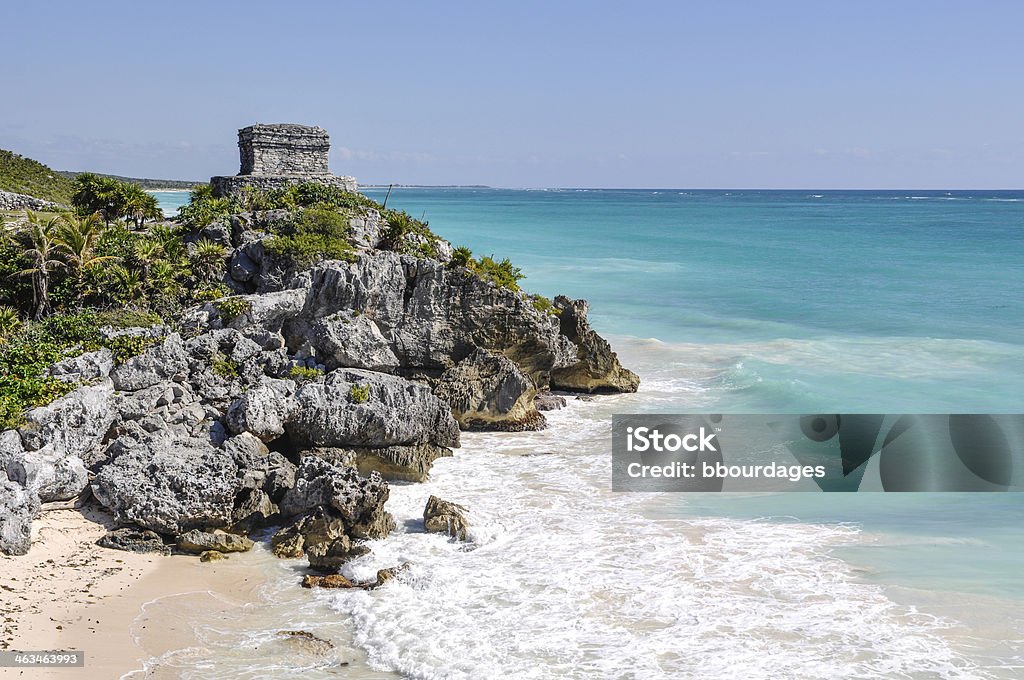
x=276, y=155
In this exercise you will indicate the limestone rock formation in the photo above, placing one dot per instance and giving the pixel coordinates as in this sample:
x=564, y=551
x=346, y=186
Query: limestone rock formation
x=134, y=539
x=18, y=508
x=486, y=391
x=169, y=485
x=49, y=474
x=597, y=368
x=363, y=408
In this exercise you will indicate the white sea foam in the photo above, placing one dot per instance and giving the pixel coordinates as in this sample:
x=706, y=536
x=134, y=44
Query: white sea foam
x=565, y=579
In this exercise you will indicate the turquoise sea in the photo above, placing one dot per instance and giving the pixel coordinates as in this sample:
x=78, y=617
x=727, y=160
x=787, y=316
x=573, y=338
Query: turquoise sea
x=726, y=301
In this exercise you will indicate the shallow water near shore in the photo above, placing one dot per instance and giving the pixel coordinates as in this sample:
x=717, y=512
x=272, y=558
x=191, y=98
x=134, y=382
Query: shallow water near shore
x=725, y=301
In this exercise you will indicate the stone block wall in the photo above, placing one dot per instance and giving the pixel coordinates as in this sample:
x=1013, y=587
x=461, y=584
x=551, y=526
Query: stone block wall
x=283, y=149
x=13, y=201
x=233, y=185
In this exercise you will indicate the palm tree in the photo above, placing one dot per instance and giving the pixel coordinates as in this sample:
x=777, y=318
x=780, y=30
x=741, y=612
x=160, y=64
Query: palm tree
x=208, y=259
x=41, y=248
x=9, y=322
x=147, y=252
x=162, y=278
x=126, y=283
x=138, y=205
x=77, y=237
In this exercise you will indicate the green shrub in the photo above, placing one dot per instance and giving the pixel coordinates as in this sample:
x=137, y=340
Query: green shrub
x=203, y=209
x=360, y=394
x=224, y=366
x=461, y=257
x=501, y=273
x=301, y=374
x=128, y=318
x=30, y=350
x=209, y=292
x=9, y=322
x=544, y=305
x=232, y=307
x=124, y=347
x=316, y=234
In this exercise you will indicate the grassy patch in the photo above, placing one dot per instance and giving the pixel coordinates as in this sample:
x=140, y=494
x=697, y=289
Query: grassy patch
x=224, y=366
x=232, y=307
x=301, y=374
x=26, y=176
x=315, y=235
x=360, y=394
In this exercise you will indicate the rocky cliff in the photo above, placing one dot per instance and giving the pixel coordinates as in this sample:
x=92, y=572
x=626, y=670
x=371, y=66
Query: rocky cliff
x=294, y=401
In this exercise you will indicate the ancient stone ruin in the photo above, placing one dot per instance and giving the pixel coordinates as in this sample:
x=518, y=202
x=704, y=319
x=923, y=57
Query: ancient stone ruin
x=273, y=156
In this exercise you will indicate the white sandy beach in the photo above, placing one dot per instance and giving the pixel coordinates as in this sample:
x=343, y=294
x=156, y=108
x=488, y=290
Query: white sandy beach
x=70, y=594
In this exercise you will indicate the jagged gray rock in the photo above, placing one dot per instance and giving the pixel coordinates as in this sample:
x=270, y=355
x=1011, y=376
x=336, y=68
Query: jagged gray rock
x=358, y=501
x=486, y=391
x=597, y=367
x=158, y=364
x=72, y=424
x=134, y=539
x=394, y=411
x=394, y=463
x=10, y=446
x=84, y=367
x=18, y=507
x=549, y=402
x=343, y=340
x=168, y=485
x=263, y=409
x=52, y=475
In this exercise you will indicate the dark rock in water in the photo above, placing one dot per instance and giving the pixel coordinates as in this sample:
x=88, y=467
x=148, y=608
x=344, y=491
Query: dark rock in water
x=358, y=501
x=331, y=555
x=339, y=581
x=212, y=556
x=18, y=507
x=134, y=539
x=287, y=543
x=445, y=517
x=315, y=527
x=597, y=367
x=389, y=574
x=337, y=506
x=196, y=541
x=307, y=642
x=327, y=581
x=486, y=391
x=549, y=402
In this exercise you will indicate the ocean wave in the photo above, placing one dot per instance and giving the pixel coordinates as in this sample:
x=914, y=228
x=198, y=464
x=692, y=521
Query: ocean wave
x=577, y=582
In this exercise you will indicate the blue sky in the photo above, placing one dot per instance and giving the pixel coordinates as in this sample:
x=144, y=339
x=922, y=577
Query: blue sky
x=531, y=94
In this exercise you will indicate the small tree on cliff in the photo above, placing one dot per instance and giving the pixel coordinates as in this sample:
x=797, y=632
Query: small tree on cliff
x=41, y=249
